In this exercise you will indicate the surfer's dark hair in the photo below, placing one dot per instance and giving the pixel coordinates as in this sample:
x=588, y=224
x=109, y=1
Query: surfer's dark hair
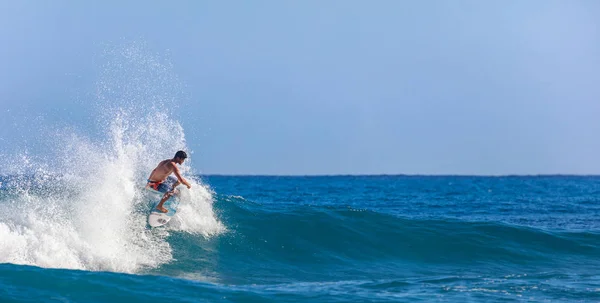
x=180, y=154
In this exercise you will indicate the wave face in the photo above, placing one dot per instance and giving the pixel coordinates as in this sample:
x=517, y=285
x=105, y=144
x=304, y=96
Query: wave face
x=301, y=239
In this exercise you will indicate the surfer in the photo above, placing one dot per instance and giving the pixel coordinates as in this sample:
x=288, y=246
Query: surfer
x=161, y=180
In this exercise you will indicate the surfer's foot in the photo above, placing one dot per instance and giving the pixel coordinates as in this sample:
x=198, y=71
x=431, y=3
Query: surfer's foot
x=162, y=209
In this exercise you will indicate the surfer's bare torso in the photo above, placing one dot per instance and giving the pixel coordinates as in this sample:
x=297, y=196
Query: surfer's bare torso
x=164, y=169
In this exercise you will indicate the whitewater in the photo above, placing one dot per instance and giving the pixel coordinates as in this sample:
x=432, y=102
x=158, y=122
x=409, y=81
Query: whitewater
x=84, y=206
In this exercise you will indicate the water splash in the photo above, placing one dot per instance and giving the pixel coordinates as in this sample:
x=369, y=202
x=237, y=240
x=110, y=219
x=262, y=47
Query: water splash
x=86, y=207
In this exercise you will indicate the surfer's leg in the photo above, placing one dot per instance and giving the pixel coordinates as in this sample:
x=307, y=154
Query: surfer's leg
x=162, y=201
x=172, y=182
x=174, y=191
x=175, y=186
x=167, y=187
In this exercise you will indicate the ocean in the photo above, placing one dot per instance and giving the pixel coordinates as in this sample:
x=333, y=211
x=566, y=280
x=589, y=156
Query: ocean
x=73, y=221
x=305, y=239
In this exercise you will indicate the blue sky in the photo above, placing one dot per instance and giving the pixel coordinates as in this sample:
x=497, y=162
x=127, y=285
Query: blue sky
x=329, y=87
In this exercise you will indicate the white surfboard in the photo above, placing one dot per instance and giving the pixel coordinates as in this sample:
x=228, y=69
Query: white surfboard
x=157, y=218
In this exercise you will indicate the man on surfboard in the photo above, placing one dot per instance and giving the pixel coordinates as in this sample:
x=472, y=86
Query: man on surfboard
x=161, y=180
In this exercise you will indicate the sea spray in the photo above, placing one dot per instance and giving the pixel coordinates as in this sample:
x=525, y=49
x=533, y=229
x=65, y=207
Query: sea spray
x=86, y=207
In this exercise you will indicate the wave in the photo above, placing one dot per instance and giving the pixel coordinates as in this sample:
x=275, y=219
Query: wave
x=84, y=208
x=310, y=234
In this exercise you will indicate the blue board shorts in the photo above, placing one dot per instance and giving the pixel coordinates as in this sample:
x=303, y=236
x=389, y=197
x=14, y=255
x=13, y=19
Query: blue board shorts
x=164, y=186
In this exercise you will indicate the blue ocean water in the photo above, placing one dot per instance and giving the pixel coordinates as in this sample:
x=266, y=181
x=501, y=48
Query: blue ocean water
x=311, y=239
x=73, y=221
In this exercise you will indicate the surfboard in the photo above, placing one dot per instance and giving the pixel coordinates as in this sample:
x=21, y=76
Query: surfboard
x=157, y=218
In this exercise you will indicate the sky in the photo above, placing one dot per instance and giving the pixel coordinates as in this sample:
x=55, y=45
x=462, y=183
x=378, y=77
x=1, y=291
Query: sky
x=327, y=87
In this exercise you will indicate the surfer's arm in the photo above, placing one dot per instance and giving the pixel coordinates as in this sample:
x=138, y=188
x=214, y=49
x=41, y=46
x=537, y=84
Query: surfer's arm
x=179, y=177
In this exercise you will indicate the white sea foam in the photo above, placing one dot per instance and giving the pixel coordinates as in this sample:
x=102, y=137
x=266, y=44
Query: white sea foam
x=87, y=210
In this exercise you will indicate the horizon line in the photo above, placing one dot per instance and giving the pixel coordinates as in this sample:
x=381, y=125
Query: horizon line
x=376, y=175
x=397, y=175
